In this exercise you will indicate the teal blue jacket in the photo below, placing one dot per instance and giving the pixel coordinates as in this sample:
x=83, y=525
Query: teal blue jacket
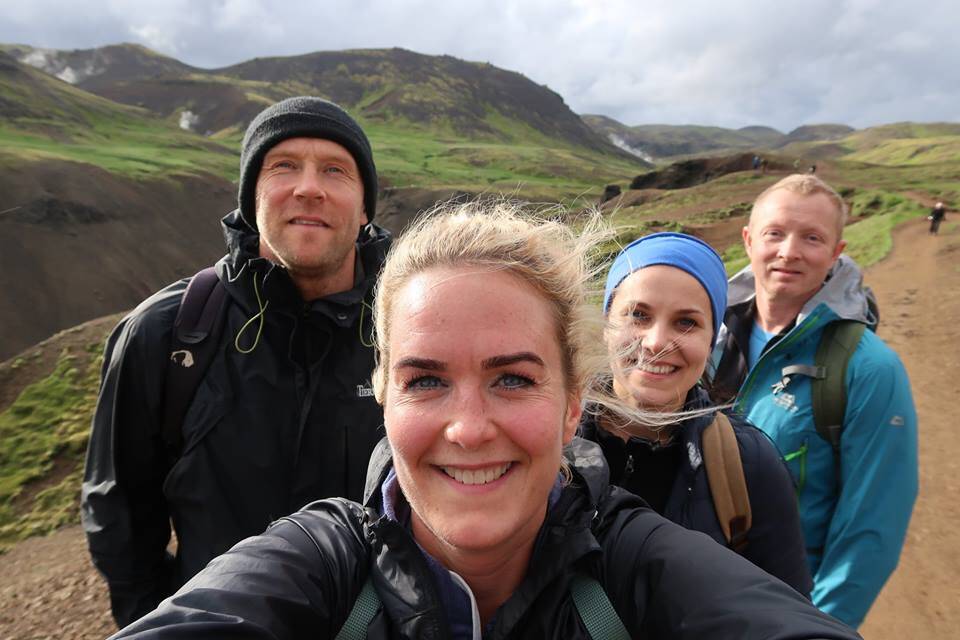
x=854, y=526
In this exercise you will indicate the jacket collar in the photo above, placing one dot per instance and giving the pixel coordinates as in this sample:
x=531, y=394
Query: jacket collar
x=246, y=274
x=564, y=538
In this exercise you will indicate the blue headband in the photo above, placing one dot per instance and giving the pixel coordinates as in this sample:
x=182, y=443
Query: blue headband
x=679, y=250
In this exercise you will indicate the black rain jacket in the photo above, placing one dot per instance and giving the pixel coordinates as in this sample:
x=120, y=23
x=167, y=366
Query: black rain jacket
x=301, y=578
x=292, y=421
x=775, y=540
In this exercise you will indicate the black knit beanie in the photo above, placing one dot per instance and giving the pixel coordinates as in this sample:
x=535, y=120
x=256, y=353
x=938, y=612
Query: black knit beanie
x=303, y=117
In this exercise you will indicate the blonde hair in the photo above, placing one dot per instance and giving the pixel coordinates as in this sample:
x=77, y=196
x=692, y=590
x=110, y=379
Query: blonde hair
x=560, y=263
x=806, y=184
x=531, y=244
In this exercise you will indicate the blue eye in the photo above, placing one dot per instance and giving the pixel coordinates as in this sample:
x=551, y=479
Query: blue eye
x=514, y=381
x=424, y=382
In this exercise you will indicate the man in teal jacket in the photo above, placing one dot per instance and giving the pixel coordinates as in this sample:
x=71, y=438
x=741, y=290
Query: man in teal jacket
x=854, y=508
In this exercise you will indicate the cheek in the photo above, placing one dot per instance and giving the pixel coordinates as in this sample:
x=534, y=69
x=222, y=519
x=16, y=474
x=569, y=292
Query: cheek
x=696, y=352
x=410, y=431
x=537, y=429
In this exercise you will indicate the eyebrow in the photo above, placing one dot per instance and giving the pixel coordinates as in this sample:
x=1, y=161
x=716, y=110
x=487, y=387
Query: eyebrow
x=420, y=363
x=430, y=364
x=513, y=358
x=643, y=305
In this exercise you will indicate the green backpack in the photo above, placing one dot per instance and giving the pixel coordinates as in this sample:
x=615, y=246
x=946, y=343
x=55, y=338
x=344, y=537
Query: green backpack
x=828, y=387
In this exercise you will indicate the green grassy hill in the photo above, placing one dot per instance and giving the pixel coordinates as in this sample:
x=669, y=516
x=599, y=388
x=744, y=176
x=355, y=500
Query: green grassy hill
x=434, y=121
x=43, y=118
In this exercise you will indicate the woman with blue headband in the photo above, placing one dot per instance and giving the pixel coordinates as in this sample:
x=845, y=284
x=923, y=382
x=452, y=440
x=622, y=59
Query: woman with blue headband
x=664, y=302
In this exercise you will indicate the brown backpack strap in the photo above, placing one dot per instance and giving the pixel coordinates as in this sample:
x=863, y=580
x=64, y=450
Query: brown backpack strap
x=721, y=457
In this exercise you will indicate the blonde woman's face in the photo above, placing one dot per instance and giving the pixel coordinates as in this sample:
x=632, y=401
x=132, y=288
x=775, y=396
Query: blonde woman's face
x=659, y=336
x=476, y=408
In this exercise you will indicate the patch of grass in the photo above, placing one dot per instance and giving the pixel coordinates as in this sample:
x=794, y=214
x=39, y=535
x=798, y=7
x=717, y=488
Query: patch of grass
x=410, y=156
x=735, y=258
x=139, y=153
x=870, y=240
x=46, y=428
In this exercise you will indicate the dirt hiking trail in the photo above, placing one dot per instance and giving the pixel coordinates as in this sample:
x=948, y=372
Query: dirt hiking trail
x=49, y=590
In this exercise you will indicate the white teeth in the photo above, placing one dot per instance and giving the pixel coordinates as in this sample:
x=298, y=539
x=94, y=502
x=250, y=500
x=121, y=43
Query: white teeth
x=309, y=223
x=652, y=368
x=476, y=476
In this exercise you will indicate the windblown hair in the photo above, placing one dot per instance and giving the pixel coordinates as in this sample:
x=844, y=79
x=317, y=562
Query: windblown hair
x=556, y=260
x=500, y=235
x=806, y=184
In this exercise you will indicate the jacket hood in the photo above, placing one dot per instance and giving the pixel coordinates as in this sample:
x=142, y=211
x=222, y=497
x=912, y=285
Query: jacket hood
x=842, y=291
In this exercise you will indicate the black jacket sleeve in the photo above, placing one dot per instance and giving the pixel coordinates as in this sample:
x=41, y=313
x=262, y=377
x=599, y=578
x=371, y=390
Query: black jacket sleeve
x=669, y=582
x=775, y=541
x=285, y=583
x=123, y=509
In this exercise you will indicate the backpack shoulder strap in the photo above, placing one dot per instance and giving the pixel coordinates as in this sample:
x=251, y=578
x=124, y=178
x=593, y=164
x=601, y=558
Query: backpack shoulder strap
x=595, y=609
x=193, y=344
x=829, y=393
x=364, y=608
x=591, y=601
x=728, y=486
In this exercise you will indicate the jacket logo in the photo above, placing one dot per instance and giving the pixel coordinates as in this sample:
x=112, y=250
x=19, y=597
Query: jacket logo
x=183, y=358
x=363, y=391
x=695, y=458
x=786, y=401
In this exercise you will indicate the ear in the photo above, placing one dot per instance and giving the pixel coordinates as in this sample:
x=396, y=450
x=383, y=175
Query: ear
x=841, y=245
x=572, y=418
x=747, y=242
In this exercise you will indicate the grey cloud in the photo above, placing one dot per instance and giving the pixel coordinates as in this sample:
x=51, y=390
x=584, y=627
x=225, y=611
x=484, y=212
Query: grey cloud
x=742, y=62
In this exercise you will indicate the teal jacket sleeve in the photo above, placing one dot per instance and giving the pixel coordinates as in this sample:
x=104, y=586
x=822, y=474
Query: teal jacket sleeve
x=878, y=488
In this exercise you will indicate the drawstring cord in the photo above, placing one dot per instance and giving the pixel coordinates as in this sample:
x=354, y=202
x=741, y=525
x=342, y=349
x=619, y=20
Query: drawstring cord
x=363, y=307
x=259, y=314
x=367, y=342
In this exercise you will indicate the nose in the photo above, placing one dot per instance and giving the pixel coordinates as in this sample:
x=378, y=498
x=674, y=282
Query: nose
x=471, y=426
x=788, y=249
x=658, y=339
x=308, y=184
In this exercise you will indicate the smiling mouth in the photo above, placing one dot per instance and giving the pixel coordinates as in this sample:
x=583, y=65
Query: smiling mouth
x=649, y=367
x=308, y=223
x=661, y=369
x=477, y=476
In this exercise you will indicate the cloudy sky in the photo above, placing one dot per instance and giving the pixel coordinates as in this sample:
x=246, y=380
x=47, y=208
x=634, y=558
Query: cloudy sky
x=731, y=64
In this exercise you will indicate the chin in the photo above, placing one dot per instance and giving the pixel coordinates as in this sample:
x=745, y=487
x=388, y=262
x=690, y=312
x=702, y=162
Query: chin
x=476, y=534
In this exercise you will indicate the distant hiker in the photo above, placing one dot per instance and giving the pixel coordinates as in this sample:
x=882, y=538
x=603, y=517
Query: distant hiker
x=937, y=214
x=664, y=301
x=285, y=413
x=763, y=165
x=795, y=345
x=813, y=168
x=756, y=162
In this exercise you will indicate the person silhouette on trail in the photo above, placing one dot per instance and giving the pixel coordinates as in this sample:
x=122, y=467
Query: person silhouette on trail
x=937, y=214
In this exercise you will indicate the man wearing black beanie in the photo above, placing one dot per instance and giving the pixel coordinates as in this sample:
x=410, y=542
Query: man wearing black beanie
x=237, y=396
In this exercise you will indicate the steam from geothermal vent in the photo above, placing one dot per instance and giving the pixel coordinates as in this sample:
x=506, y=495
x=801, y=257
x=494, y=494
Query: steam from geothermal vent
x=188, y=119
x=626, y=146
